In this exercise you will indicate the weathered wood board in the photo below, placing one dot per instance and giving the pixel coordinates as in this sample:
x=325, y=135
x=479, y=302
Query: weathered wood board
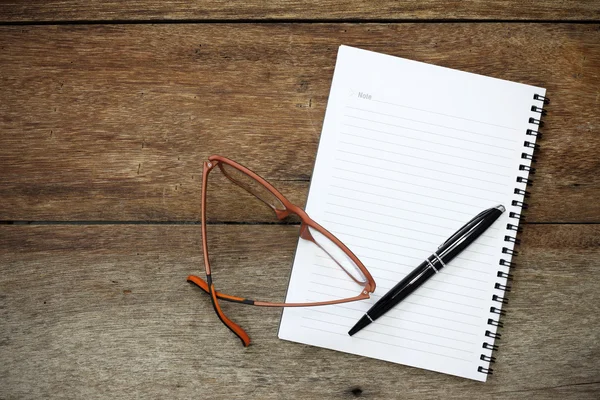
x=104, y=311
x=112, y=122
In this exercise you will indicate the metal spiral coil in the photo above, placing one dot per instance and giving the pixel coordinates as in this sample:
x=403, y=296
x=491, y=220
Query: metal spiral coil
x=513, y=229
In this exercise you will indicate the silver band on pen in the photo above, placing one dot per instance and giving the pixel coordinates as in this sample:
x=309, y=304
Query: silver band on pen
x=439, y=259
x=368, y=316
x=431, y=265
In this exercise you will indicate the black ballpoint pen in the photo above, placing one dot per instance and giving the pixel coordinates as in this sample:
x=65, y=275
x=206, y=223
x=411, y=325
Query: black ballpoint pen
x=432, y=265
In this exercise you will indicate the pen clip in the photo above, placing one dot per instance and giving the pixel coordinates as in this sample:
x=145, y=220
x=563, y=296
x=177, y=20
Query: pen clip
x=472, y=220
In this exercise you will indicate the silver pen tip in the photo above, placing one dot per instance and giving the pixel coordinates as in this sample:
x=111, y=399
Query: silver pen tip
x=500, y=207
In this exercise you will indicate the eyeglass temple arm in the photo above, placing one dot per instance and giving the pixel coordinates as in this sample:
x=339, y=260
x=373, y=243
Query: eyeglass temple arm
x=233, y=327
x=202, y=284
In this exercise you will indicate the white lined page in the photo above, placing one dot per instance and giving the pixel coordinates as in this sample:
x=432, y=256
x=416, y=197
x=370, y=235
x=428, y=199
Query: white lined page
x=398, y=170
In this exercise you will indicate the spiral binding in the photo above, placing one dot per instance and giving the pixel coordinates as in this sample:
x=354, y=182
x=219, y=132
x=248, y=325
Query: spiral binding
x=513, y=230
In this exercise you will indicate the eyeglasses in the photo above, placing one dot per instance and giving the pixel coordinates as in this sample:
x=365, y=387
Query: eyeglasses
x=333, y=253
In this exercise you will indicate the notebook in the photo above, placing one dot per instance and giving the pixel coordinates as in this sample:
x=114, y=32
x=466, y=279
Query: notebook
x=409, y=152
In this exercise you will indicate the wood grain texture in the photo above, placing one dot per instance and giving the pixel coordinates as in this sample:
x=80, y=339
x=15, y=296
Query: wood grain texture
x=96, y=10
x=112, y=122
x=104, y=311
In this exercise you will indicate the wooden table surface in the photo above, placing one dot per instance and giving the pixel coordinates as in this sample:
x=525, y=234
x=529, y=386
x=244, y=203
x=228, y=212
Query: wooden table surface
x=107, y=110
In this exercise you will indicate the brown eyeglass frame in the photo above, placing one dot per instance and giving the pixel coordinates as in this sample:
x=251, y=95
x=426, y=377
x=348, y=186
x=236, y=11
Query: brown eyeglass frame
x=289, y=208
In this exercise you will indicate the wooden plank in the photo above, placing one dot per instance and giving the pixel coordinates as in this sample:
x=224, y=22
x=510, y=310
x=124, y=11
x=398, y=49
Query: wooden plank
x=112, y=122
x=104, y=311
x=77, y=10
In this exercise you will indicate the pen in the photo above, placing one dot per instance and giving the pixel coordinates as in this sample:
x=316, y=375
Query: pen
x=431, y=266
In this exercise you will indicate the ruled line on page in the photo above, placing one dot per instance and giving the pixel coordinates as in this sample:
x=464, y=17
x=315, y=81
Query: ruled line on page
x=389, y=316
x=352, y=217
x=396, y=244
x=379, y=268
x=320, y=320
x=396, y=190
x=371, y=330
x=405, y=191
x=379, y=167
x=395, y=162
x=345, y=278
x=395, y=211
x=387, y=289
x=350, y=244
x=437, y=290
x=436, y=278
x=334, y=287
x=386, y=343
x=458, y=303
x=434, y=245
x=446, y=115
x=445, y=328
x=397, y=329
x=475, y=316
x=464, y=194
x=378, y=223
x=385, y=215
x=422, y=122
x=404, y=145
x=314, y=309
x=370, y=211
x=423, y=159
x=406, y=174
x=404, y=338
x=446, y=272
x=404, y=301
x=408, y=267
x=398, y=307
x=387, y=206
x=404, y=246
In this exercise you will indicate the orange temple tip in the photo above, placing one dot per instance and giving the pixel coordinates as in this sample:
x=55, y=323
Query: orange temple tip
x=197, y=281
